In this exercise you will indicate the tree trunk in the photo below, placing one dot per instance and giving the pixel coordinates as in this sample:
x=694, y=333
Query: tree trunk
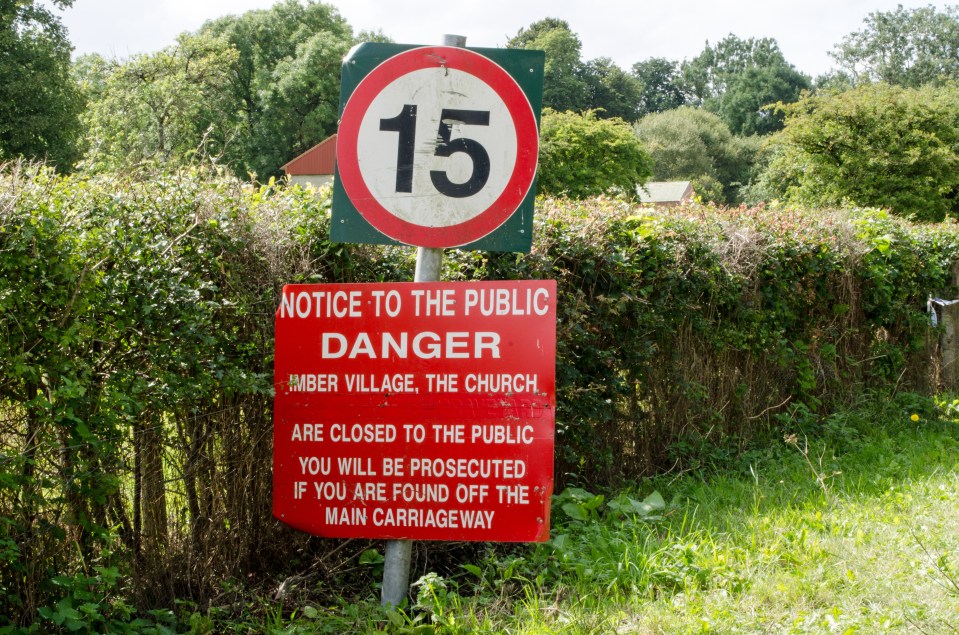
x=28, y=503
x=152, y=491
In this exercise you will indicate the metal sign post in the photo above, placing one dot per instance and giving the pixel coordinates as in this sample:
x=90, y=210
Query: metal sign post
x=396, y=566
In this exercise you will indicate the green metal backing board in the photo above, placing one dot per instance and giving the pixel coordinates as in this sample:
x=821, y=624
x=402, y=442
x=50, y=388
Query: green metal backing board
x=515, y=234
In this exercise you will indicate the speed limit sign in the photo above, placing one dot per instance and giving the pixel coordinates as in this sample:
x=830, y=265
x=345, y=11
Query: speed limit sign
x=437, y=146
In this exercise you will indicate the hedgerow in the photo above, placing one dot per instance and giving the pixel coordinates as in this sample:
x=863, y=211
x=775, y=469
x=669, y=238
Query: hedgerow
x=136, y=322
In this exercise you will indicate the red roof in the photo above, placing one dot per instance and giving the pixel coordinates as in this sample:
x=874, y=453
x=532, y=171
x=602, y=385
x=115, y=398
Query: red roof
x=317, y=160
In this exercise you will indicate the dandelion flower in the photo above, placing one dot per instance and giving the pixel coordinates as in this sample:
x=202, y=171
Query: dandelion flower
x=914, y=417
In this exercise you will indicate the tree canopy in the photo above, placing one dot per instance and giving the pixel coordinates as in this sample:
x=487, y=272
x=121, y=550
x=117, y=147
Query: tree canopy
x=569, y=83
x=660, y=85
x=738, y=77
x=253, y=90
x=39, y=101
x=908, y=47
x=285, y=81
x=564, y=87
x=161, y=106
x=614, y=90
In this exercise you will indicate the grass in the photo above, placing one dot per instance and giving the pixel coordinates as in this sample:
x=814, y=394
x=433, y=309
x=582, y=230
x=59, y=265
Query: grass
x=848, y=525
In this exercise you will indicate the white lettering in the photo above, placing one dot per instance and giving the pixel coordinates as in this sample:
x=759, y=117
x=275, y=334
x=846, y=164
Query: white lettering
x=506, y=301
x=319, y=304
x=503, y=383
x=425, y=345
x=467, y=468
x=439, y=518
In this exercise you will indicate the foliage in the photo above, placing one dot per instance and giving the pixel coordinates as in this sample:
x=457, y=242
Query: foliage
x=583, y=156
x=661, y=85
x=251, y=91
x=907, y=47
x=744, y=105
x=131, y=330
x=90, y=71
x=693, y=144
x=571, y=84
x=96, y=604
x=711, y=322
x=564, y=87
x=612, y=89
x=738, y=78
x=160, y=106
x=285, y=81
x=39, y=101
x=876, y=145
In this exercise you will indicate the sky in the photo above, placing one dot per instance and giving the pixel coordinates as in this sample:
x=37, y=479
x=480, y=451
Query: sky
x=627, y=31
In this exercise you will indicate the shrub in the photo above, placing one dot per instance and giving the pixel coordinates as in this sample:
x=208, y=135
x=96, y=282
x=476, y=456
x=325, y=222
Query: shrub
x=875, y=145
x=582, y=156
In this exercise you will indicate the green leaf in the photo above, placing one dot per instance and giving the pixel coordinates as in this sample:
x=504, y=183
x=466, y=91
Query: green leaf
x=371, y=556
x=575, y=511
x=656, y=501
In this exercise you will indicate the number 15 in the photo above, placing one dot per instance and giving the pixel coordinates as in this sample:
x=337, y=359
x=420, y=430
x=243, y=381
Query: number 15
x=405, y=124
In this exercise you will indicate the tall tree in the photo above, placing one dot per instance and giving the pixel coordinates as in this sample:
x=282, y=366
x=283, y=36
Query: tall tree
x=564, y=87
x=736, y=78
x=253, y=90
x=908, y=47
x=613, y=90
x=39, y=101
x=694, y=144
x=744, y=105
x=571, y=84
x=660, y=85
x=162, y=105
x=285, y=80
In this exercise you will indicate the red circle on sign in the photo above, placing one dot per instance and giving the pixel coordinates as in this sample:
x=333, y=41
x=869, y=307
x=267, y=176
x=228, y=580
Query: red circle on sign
x=523, y=170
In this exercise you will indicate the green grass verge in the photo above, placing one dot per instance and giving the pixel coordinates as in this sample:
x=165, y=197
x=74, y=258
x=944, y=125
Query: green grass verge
x=847, y=525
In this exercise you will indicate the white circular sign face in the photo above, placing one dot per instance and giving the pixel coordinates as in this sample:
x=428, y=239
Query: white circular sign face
x=455, y=90
x=437, y=147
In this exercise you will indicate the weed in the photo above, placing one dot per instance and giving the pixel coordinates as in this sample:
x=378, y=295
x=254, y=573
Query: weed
x=818, y=471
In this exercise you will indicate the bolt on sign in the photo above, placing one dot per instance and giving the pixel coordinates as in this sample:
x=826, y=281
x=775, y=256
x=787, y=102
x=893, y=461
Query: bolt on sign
x=420, y=411
x=437, y=146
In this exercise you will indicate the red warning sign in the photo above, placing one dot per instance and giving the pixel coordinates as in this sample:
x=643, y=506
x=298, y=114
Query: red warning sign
x=420, y=411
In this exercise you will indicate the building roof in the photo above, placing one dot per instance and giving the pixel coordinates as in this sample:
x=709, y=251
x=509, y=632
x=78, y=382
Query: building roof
x=319, y=159
x=665, y=192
